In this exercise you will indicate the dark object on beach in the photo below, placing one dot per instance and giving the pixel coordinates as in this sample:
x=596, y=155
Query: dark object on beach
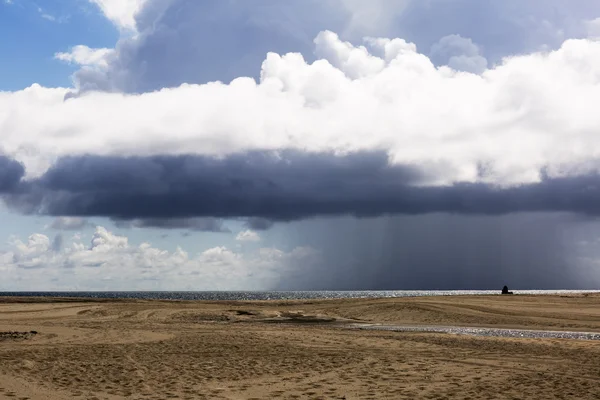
x=246, y=312
x=10, y=335
x=505, y=290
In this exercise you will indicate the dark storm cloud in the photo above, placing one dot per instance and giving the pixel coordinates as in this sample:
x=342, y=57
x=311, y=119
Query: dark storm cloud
x=258, y=224
x=206, y=224
x=278, y=187
x=11, y=173
x=258, y=184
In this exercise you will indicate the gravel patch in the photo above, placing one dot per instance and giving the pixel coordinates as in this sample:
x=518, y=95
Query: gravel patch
x=491, y=332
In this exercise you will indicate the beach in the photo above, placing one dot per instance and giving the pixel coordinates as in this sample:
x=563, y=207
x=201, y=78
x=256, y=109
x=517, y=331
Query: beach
x=58, y=348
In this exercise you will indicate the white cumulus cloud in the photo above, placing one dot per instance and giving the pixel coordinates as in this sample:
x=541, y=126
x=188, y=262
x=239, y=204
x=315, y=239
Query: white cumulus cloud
x=120, y=12
x=111, y=262
x=532, y=112
x=86, y=56
x=248, y=236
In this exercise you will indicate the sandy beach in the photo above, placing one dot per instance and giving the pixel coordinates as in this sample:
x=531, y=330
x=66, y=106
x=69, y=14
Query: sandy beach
x=95, y=349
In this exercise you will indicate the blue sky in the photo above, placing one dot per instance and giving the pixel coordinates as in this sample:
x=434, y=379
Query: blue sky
x=127, y=167
x=31, y=37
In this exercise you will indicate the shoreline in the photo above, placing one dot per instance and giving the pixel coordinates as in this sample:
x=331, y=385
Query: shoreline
x=230, y=296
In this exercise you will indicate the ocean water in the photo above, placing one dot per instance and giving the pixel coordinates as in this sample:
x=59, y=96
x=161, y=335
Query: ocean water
x=275, y=295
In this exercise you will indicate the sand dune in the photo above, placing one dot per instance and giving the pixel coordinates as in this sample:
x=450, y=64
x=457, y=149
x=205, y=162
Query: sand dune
x=296, y=349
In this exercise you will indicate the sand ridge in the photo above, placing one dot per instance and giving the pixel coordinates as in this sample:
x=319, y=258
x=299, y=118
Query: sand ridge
x=296, y=349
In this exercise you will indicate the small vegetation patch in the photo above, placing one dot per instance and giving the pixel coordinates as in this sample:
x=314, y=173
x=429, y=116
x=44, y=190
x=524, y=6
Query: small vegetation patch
x=195, y=317
x=246, y=312
x=300, y=317
x=17, y=335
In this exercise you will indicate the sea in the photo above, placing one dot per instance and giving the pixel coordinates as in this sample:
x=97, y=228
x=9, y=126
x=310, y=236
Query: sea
x=281, y=295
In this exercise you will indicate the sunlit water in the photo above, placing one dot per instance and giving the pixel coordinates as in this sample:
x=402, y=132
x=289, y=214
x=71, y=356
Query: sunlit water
x=275, y=295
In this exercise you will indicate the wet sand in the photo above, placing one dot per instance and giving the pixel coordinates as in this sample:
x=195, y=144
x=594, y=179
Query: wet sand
x=297, y=349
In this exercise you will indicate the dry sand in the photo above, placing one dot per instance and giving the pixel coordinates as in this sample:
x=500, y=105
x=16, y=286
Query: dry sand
x=295, y=350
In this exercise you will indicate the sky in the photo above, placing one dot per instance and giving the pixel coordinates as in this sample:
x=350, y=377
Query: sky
x=299, y=144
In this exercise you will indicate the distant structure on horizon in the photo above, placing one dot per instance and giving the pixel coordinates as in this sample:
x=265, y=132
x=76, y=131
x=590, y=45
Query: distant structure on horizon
x=505, y=290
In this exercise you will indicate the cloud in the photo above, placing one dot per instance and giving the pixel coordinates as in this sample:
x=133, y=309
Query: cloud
x=434, y=118
x=32, y=254
x=372, y=17
x=189, y=41
x=70, y=223
x=258, y=224
x=50, y=17
x=163, y=191
x=86, y=56
x=274, y=185
x=121, y=12
x=248, y=236
x=207, y=224
x=111, y=262
x=47, y=16
x=364, y=131
x=459, y=53
x=199, y=41
x=502, y=28
x=593, y=28
x=354, y=62
x=11, y=172
x=174, y=44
